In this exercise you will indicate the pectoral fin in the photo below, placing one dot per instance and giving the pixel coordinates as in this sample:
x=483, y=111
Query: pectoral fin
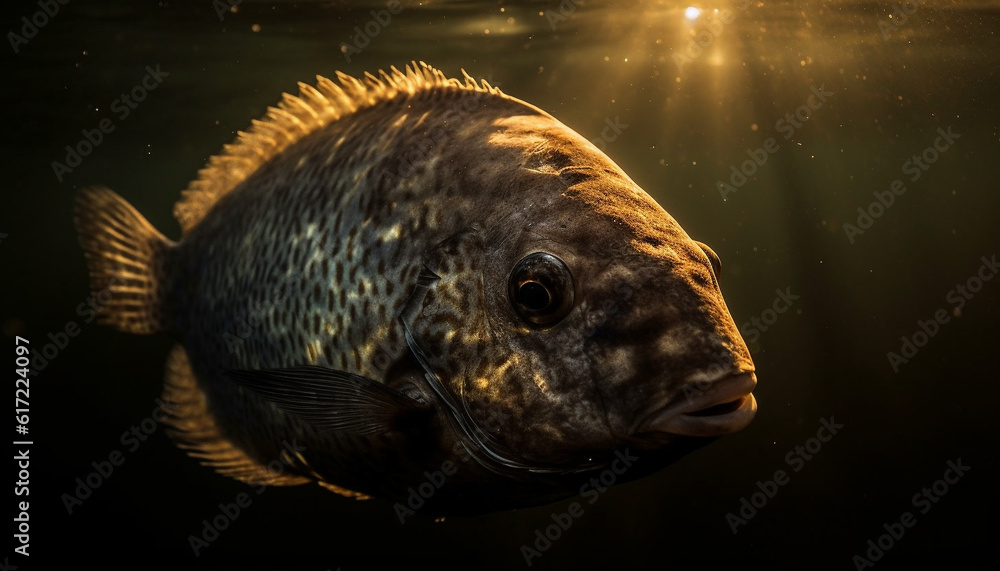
x=329, y=399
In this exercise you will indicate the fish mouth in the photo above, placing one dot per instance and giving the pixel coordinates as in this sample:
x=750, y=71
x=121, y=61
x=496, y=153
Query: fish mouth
x=727, y=406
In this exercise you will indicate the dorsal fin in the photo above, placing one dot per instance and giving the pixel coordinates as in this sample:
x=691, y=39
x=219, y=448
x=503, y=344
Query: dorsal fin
x=296, y=116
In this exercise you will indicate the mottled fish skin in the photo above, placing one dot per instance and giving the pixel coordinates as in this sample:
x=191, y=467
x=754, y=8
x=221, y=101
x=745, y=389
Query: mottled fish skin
x=311, y=257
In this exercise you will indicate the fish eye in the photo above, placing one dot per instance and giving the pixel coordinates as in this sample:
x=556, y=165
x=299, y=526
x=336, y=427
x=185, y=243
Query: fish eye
x=541, y=289
x=713, y=258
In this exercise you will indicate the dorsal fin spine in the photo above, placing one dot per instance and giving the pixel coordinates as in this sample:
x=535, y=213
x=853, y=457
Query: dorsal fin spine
x=300, y=108
x=295, y=116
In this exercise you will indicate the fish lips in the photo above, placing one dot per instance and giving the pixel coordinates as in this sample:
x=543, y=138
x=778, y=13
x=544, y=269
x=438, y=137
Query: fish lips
x=725, y=407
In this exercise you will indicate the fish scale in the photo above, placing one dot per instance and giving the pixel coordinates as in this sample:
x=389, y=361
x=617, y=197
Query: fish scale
x=356, y=249
x=400, y=272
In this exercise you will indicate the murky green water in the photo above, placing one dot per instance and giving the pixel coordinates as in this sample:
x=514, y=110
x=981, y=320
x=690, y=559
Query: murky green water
x=761, y=127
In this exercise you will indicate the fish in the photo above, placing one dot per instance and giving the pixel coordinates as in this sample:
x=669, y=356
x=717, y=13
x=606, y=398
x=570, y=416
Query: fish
x=408, y=283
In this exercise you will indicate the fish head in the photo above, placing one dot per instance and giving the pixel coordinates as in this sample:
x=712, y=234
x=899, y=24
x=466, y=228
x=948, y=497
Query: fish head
x=575, y=316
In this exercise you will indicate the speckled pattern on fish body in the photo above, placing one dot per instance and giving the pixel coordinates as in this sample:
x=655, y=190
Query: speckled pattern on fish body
x=440, y=255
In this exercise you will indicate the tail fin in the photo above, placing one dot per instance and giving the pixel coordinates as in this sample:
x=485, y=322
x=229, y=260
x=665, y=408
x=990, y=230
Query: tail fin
x=127, y=259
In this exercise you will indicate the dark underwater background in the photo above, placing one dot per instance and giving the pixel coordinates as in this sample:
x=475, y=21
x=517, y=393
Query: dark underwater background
x=678, y=117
